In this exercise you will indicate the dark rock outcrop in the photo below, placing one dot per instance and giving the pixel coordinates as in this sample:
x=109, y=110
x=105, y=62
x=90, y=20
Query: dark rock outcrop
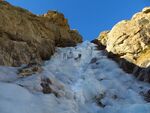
x=51, y=86
x=142, y=74
x=29, y=70
x=25, y=36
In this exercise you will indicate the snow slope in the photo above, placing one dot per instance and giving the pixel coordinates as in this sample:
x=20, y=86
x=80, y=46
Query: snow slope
x=85, y=79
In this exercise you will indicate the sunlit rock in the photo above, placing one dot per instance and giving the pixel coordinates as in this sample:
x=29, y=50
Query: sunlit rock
x=25, y=36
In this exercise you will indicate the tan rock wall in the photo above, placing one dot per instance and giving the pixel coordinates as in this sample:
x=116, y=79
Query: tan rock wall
x=25, y=36
x=130, y=38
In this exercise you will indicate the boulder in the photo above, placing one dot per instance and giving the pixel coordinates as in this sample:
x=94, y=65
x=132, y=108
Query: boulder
x=29, y=70
x=25, y=36
x=52, y=86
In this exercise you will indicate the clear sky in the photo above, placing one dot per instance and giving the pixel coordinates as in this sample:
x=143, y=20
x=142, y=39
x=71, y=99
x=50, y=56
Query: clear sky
x=88, y=16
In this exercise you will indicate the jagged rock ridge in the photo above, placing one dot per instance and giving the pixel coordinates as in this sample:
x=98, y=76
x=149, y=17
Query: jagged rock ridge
x=25, y=36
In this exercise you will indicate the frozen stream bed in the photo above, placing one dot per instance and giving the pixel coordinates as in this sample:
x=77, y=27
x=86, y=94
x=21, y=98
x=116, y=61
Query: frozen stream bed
x=85, y=80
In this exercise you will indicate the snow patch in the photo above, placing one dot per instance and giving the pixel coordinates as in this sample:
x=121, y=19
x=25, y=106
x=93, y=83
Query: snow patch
x=85, y=79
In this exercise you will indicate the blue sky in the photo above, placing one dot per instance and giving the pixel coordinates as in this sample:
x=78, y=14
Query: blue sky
x=88, y=16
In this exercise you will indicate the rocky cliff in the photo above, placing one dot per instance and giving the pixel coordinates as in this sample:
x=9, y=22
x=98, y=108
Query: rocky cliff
x=130, y=40
x=25, y=37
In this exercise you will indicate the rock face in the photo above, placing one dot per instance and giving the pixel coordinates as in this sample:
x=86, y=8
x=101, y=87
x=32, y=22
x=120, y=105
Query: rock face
x=128, y=43
x=25, y=36
x=130, y=39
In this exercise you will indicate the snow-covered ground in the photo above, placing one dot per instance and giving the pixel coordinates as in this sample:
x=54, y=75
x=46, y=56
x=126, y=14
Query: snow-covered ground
x=86, y=82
